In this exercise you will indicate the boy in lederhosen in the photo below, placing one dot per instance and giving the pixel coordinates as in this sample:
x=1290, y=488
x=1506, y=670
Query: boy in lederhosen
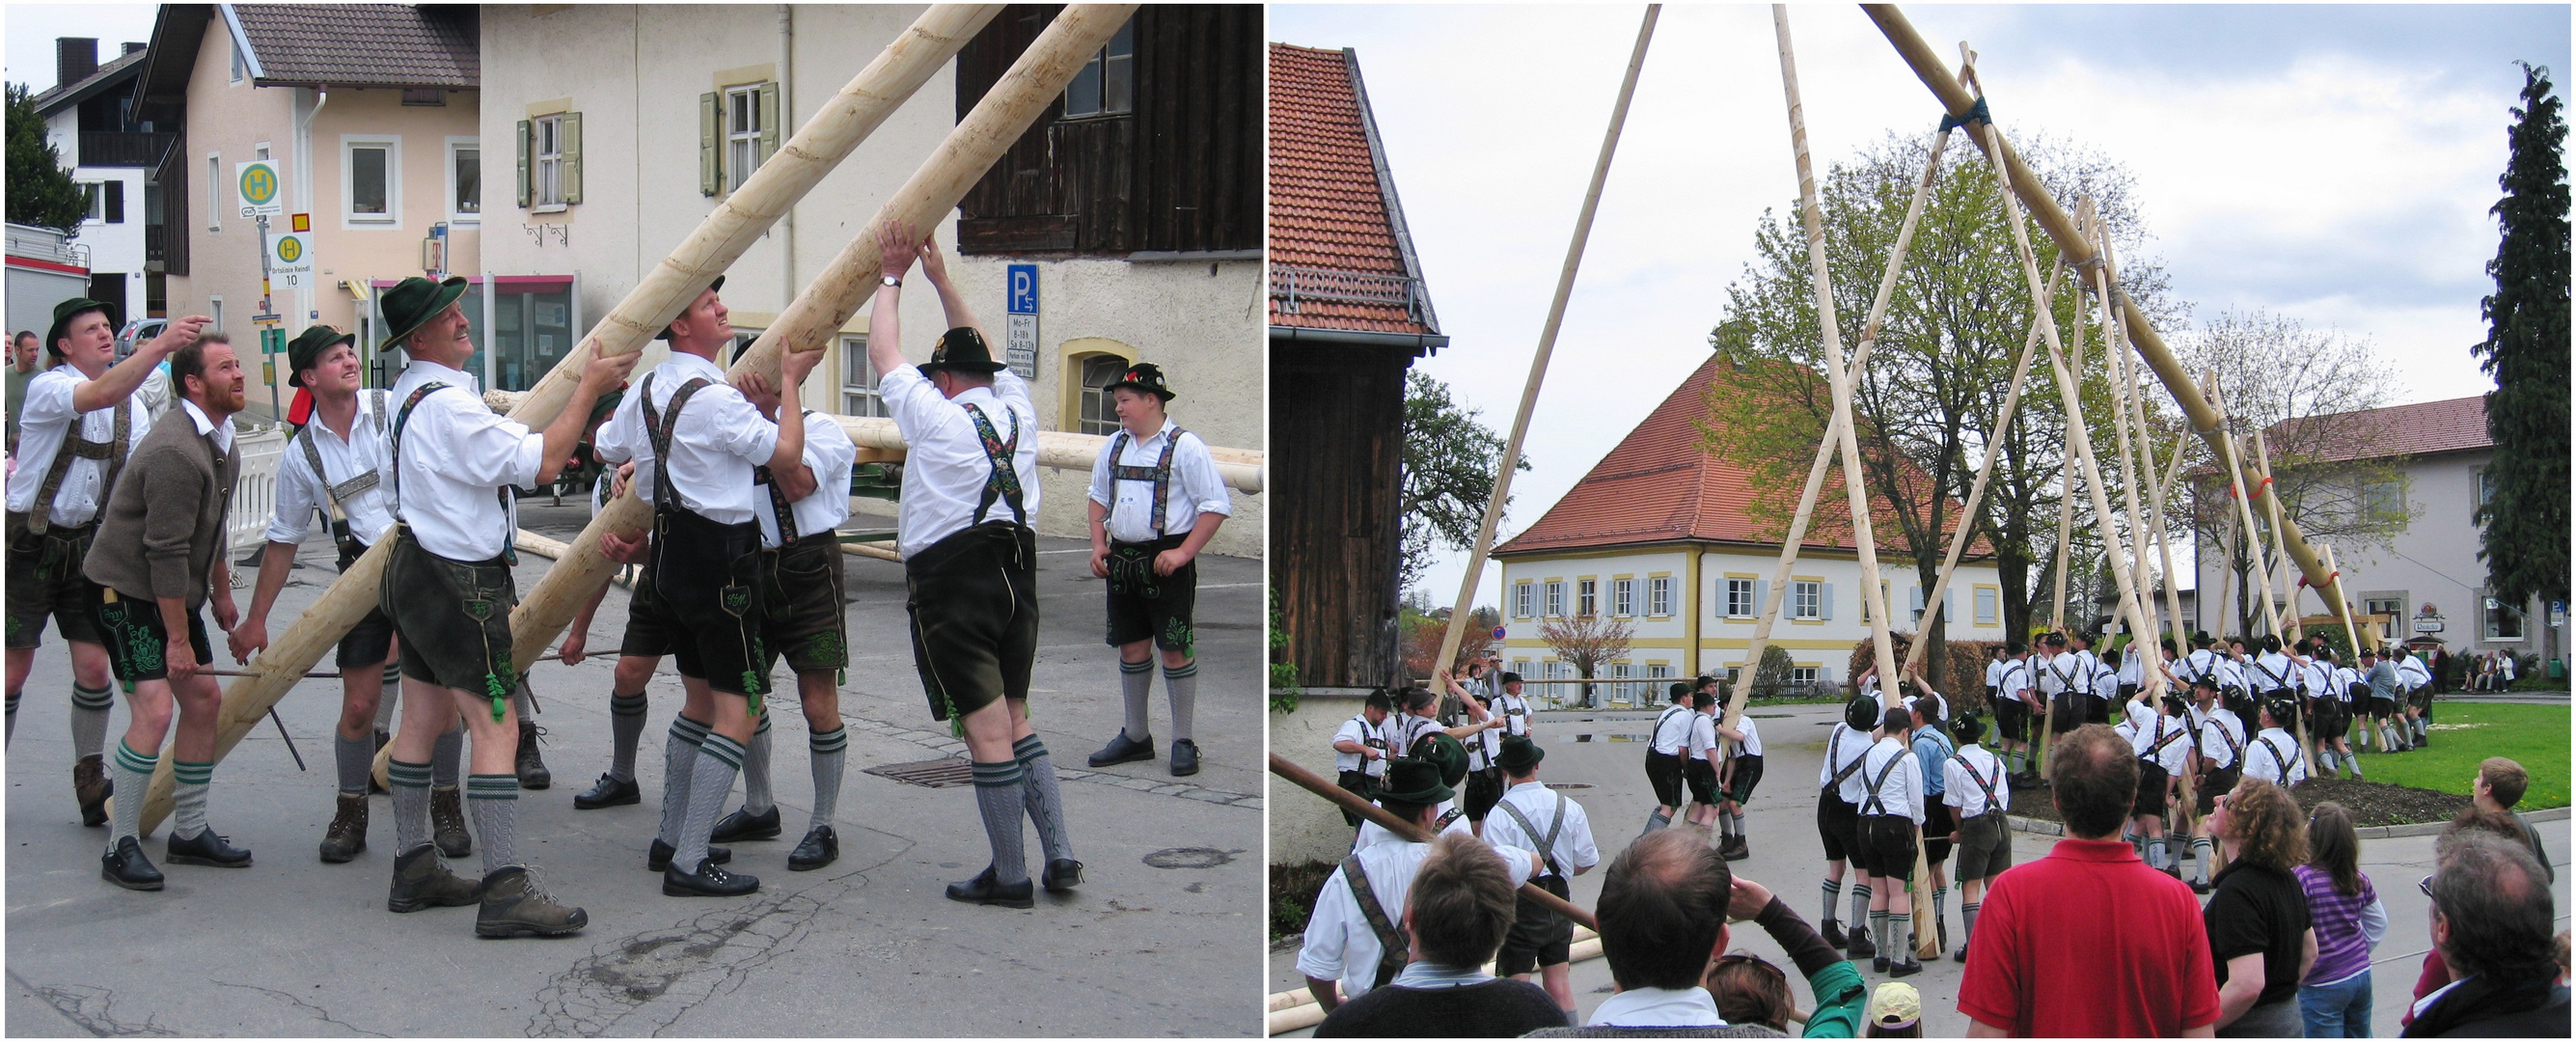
x=702, y=437
x=1156, y=500
x=336, y=465
x=806, y=625
x=970, y=489
x=1360, y=751
x=1664, y=744
x=75, y=428
x=449, y=590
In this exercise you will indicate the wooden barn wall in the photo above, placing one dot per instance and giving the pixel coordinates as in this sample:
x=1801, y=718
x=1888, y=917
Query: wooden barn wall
x=1336, y=436
x=1181, y=172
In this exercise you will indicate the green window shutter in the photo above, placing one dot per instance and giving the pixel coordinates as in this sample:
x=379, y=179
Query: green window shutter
x=524, y=129
x=571, y=157
x=710, y=168
x=768, y=121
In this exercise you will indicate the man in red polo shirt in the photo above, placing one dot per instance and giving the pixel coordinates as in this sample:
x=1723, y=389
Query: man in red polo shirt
x=2089, y=941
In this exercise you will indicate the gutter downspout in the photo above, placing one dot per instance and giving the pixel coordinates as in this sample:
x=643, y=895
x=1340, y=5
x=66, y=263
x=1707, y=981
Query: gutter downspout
x=787, y=120
x=307, y=296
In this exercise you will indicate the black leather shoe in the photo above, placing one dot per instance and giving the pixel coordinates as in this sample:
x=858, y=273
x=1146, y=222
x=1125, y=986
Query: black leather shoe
x=659, y=857
x=1832, y=931
x=1861, y=946
x=1061, y=875
x=206, y=848
x=608, y=793
x=1185, y=757
x=127, y=867
x=707, y=881
x=1880, y=963
x=983, y=890
x=739, y=826
x=1907, y=968
x=1962, y=955
x=820, y=847
x=1123, y=749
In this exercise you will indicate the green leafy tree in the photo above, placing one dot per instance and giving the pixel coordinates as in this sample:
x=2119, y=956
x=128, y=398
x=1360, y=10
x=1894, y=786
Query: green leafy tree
x=1771, y=677
x=1450, y=457
x=41, y=192
x=2523, y=527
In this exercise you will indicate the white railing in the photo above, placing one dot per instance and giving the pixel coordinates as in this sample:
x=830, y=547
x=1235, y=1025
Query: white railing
x=255, y=492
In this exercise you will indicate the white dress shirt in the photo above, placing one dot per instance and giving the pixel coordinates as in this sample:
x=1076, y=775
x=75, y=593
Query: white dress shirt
x=2220, y=734
x=1900, y=791
x=1672, y=730
x=944, y=464
x=2282, y=756
x=222, y=432
x=300, y=492
x=2016, y=680
x=1658, y=1008
x=1995, y=673
x=1573, y=851
x=1358, y=729
x=2344, y=678
x=1195, y=486
x=720, y=436
x=1371, y=833
x=1703, y=735
x=44, y=418
x=2166, y=740
x=2272, y=671
x=1752, y=732
x=1339, y=944
x=454, y=454
x=2059, y=674
x=1959, y=783
x=830, y=454
x=1845, y=745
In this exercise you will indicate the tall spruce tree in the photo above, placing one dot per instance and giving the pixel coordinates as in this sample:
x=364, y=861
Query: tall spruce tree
x=41, y=192
x=2523, y=524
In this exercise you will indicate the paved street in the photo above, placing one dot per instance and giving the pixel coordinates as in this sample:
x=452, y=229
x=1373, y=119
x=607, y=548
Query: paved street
x=1163, y=938
x=1603, y=754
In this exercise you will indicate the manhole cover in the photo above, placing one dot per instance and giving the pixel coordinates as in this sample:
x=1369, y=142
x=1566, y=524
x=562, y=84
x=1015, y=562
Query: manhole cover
x=1568, y=785
x=1188, y=857
x=945, y=773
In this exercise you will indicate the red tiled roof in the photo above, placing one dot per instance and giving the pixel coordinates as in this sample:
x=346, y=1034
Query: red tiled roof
x=1659, y=485
x=2421, y=429
x=1327, y=209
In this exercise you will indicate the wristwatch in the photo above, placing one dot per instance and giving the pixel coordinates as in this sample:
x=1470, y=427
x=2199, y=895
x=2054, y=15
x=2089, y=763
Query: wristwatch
x=892, y=281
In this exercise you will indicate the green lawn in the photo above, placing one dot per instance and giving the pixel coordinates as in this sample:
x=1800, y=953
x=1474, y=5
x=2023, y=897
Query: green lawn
x=2466, y=733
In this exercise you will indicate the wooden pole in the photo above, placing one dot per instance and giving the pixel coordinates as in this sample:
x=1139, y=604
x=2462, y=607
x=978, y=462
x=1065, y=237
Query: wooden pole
x=2245, y=507
x=1408, y=831
x=2272, y=501
x=1955, y=100
x=2144, y=622
x=916, y=55
x=1007, y=110
x=1467, y=584
x=2156, y=522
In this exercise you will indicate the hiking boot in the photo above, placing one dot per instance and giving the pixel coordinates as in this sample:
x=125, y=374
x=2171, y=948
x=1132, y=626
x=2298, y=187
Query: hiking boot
x=742, y=825
x=126, y=866
x=1733, y=848
x=447, y=821
x=532, y=765
x=1861, y=946
x=985, y=890
x=206, y=848
x=707, y=881
x=1832, y=931
x=1061, y=875
x=820, y=847
x=1123, y=749
x=422, y=881
x=515, y=906
x=608, y=793
x=348, y=832
x=92, y=786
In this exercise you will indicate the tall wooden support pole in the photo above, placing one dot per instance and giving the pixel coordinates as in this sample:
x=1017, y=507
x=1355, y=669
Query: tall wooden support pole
x=1410, y=832
x=2290, y=629
x=1006, y=111
x=2124, y=386
x=1546, y=347
x=1929, y=67
x=2159, y=492
x=2343, y=610
x=1811, y=213
x=2065, y=533
x=2236, y=474
x=917, y=54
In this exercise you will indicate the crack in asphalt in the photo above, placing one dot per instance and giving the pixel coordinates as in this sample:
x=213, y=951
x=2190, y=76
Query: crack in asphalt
x=645, y=982
x=317, y=1012
x=89, y=1006
x=945, y=743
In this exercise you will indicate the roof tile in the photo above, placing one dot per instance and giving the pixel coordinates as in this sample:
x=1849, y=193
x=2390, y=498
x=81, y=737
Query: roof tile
x=2421, y=429
x=364, y=45
x=1326, y=207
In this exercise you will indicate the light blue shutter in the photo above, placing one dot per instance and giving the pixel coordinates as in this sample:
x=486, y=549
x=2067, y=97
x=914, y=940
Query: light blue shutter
x=1914, y=600
x=1949, y=605
x=1825, y=603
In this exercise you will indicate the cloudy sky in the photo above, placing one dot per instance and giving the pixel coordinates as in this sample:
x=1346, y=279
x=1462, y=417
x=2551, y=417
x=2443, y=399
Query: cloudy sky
x=2330, y=163
x=31, y=29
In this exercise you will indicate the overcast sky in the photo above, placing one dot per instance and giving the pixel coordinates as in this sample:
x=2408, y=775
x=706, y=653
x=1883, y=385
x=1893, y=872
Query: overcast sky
x=31, y=29
x=2330, y=163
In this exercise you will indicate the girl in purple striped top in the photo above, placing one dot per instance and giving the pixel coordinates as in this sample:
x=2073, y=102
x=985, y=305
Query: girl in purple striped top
x=2335, y=998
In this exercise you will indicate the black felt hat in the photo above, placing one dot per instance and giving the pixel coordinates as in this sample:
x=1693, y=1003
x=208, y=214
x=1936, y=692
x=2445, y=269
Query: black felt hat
x=68, y=310
x=1146, y=377
x=717, y=286
x=1414, y=781
x=962, y=350
x=1520, y=755
x=307, y=347
x=413, y=302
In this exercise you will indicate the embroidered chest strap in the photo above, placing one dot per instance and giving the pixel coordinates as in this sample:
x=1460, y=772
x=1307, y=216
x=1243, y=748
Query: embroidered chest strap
x=111, y=452
x=1982, y=785
x=337, y=495
x=1392, y=949
x=509, y=544
x=659, y=427
x=1878, y=806
x=1160, y=474
x=1004, y=484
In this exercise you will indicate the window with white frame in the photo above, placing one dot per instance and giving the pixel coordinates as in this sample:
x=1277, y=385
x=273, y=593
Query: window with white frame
x=1099, y=407
x=370, y=180
x=2393, y=604
x=215, y=201
x=1556, y=599
x=2384, y=500
x=1987, y=610
x=546, y=160
x=859, y=380
x=742, y=134
x=464, y=180
x=1809, y=597
x=1524, y=599
x=2486, y=488
x=1802, y=674
x=1622, y=691
x=1659, y=595
x=1106, y=85
x=1739, y=598
x=1623, y=597
x=1586, y=598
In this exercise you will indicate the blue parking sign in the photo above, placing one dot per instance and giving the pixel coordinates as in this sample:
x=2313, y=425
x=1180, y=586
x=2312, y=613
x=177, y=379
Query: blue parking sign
x=1023, y=290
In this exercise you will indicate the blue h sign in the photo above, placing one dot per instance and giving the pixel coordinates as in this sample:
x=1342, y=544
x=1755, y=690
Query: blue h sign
x=1023, y=289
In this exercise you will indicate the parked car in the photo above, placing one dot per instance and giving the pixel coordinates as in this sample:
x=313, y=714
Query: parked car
x=136, y=332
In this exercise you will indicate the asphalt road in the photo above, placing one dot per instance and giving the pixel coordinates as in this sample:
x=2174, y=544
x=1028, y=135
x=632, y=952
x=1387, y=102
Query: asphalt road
x=1602, y=755
x=1163, y=938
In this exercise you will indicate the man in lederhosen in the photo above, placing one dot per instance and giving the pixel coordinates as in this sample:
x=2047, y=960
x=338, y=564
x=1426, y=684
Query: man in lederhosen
x=336, y=466
x=806, y=624
x=702, y=437
x=970, y=489
x=158, y=562
x=76, y=427
x=1156, y=500
x=1360, y=751
x=448, y=590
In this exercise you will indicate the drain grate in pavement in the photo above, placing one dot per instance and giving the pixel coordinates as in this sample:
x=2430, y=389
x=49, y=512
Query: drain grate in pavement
x=1188, y=857
x=944, y=773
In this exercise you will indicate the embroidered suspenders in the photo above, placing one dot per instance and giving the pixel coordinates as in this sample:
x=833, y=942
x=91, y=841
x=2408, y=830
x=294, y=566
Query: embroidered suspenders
x=1992, y=804
x=1833, y=749
x=509, y=547
x=41, y=515
x=1160, y=473
x=1393, y=951
x=659, y=428
x=1879, y=806
x=336, y=496
x=778, y=504
x=1005, y=482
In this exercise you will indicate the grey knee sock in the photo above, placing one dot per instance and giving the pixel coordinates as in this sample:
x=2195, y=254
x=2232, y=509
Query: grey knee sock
x=1183, y=686
x=525, y=701
x=829, y=750
x=626, y=726
x=447, y=758
x=1134, y=680
x=1860, y=904
x=356, y=759
x=679, y=765
x=1044, y=802
x=2200, y=858
x=1656, y=819
x=756, y=797
x=494, y=799
x=1940, y=896
x=1968, y=921
x=1878, y=934
x=386, y=702
x=89, y=720
x=410, y=782
x=1833, y=896
x=133, y=773
x=188, y=818
x=719, y=759
x=998, y=796
x=1900, y=928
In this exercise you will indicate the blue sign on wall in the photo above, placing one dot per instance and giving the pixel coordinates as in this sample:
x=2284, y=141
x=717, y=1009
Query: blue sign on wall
x=1023, y=289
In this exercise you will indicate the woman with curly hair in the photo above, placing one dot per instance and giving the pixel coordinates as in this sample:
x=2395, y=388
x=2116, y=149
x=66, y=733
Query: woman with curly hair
x=2261, y=938
x=2334, y=997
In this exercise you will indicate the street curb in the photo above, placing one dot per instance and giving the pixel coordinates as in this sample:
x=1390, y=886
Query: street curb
x=2425, y=828
x=941, y=742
